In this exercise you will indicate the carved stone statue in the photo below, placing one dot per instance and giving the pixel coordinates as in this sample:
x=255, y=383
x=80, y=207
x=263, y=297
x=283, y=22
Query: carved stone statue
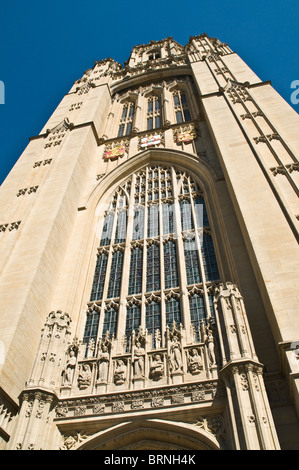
x=103, y=363
x=68, y=373
x=84, y=378
x=138, y=360
x=120, y=372
x=194, y=362
x=209, y=341
x=175, y=359
x=156, y=367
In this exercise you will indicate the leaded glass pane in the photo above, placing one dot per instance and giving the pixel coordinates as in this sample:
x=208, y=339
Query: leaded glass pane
x=187, y=115
x=107, y=230
x=153, y=268
x=91, y=326
x=133, y=321
x=179, y=117
x=149, y=123
x=201, y=212
x=173, y=312
x=124, y=113
x=168, y=218
x=129, y=128
x=197, y=313
x=209, y=258
x=135, y=274
x=110, y=321
x=170, y=265
x=121, y=130
x=138, y=223
x=153, y=221
x=186, y=215
x=99, y=277
x=192, y=262
x=121, y=227
x=153, y=319
x=115, y=275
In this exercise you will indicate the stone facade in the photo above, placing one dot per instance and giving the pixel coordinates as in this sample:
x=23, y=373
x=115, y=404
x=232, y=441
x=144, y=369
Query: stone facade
x=149, y=247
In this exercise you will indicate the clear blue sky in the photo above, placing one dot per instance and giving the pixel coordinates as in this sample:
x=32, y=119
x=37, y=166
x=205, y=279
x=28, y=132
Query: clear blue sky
x=46, y=46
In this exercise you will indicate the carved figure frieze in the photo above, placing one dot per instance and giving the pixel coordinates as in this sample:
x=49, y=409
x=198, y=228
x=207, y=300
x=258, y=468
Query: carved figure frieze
x=84, y=377
x=195, y=363
x=120, y=373
x=156, y=367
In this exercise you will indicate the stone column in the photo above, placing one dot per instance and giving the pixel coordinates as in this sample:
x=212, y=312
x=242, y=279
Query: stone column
x=251, y=419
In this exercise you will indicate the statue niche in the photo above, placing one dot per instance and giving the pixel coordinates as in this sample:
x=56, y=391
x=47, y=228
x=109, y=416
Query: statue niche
x=174, y=349
x=84, y=377
x=195, y=365
x=104, y=358
x=138, y=353
x=71, y=362
x=156, y=367
x=120, y=372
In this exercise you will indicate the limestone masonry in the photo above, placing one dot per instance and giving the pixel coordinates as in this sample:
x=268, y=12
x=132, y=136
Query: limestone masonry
x=149, y=261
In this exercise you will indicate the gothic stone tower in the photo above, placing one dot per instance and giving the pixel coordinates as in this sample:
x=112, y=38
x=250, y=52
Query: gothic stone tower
x=149, y=261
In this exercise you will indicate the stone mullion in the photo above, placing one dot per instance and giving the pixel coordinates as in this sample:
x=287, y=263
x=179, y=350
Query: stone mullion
x=199, y=255
x=144, y=255
x=166, y=99
x=137, y=115
x=122, y=311
x=181, y=265
x=107, y=277
x=162, y=268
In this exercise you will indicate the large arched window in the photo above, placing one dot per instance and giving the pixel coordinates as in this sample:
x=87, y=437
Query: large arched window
x=156, y=259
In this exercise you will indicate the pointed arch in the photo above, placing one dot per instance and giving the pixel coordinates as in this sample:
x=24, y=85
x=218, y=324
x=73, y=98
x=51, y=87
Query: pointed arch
x=151, y=434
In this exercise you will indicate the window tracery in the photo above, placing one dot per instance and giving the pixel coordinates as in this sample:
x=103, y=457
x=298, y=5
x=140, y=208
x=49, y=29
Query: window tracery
x=155, y=248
